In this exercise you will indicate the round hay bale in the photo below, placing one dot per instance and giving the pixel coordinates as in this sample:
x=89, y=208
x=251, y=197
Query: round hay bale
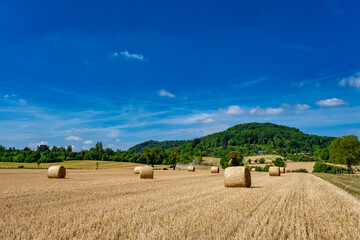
x=137, y=170
x=287, y=170
x=215, y=170
x=56, y=172
x=274, y=171
x=191, y=169
x=147, y=172
x=253, y=169
x=282, y=169
x=237, y=177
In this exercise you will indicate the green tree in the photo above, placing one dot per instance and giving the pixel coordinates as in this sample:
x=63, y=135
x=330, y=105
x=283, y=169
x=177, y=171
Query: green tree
x=43, y=159
x=174, y=157
x=345, y=150
x=151, y=155
x=99, y=150
x=233, y=158
x=279, y=162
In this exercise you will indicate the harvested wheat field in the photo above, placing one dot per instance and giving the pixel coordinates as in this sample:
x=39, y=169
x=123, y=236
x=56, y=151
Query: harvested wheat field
x=116, y=204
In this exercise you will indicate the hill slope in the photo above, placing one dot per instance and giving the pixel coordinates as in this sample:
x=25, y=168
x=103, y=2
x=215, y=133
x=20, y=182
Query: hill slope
x=162, y=145
x=248, y=138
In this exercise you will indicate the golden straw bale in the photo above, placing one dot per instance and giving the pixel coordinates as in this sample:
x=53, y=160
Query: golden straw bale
x=287, y=170
x=137, y=170
x=147, y=172
x=191, y=169
x=274, y=171
x=237, y=177
x=215, y=169
x=282, y=169
x=56, y=172
x=253, y=169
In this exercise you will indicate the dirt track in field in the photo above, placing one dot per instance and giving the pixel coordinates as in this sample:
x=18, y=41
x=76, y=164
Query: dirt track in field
x=116, y=204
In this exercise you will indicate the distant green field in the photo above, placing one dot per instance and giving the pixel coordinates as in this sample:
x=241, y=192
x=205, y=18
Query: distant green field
x=76, y=164
x=350, y=183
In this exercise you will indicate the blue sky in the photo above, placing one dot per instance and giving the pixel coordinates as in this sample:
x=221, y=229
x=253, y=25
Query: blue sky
x=123, y=72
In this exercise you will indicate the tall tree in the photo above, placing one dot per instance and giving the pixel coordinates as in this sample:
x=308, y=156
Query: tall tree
x=151, y=155
x=174, y=157
x=345, y=150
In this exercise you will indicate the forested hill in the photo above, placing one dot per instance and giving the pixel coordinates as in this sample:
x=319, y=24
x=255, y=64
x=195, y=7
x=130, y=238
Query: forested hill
x=162, y=145
x=249, y=138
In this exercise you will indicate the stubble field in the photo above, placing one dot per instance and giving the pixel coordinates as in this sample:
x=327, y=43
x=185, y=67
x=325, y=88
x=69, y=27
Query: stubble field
x=116, y=204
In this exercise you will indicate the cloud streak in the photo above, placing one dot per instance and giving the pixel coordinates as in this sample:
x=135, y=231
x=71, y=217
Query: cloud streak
x=233, y=110
x=72, y=138
x=352, y=81
x=266, y=111
x=331, y=102
x=165, y=93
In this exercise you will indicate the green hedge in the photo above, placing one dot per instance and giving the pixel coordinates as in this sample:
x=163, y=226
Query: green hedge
x=326, y=168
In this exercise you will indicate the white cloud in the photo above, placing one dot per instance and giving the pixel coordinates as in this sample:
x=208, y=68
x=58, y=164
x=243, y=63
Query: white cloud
x=6, y=95
x=331, y=102
x=302, y=106
x=162, y=92
x=113, y=147
x=113, y=133
x=352, y=81
x=22, y=101
x=114, y=54
x=117, y=140
x=132, y=56
x=34, y=145
x=73, y=138
x=233, y=109
x=267, y=111
x=208, y=120
x=88, y=142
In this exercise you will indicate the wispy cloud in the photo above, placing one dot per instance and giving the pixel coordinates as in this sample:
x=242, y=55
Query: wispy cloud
x=252, y=82
x=266, y=111
x=302, y=106
x=88, y=142
x=233, y=109
x=208, y=120
x=331, y=102
x=73, y=138
x=126, y=54
x=22, y=101
x=165, y=93
x=352, y=81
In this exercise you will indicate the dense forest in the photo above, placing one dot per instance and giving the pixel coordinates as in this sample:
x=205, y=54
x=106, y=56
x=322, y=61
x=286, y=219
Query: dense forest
x=249, y=139
x=162, y=145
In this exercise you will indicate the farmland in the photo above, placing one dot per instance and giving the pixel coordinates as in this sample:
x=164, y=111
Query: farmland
x=114, y=203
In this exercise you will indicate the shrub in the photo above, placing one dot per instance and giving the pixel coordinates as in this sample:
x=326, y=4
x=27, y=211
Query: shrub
x=261, y=160
x=266, y=168
x=303, y=170
x=21, y=166
x=258, y=169
x=326, y=168
x=165, y=168
x=279, y=162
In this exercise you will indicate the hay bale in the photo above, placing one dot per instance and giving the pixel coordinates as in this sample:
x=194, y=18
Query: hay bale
x=237, y=177
x=147, y=172
x=215, y=170
x=282, y=169
x=274, y=171
x=287, y=170
x=137, y=170
x=56, y=172
x=253, y=169
x=191, y=169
